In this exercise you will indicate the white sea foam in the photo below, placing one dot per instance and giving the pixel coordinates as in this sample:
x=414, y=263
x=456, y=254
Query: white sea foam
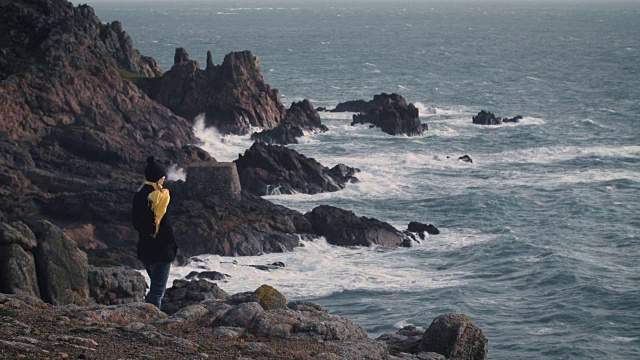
x=546, y=155
x=175, y=173
x=319, y=269
x=222, y=147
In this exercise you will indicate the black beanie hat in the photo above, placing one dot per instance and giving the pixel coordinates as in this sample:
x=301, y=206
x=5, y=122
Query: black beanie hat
x=154, y=171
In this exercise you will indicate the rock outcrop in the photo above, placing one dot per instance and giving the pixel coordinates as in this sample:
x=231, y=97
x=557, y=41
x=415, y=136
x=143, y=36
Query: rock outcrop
x=300, y=117
x=233, y=96
x=488, y=118
x=270, y=169
x=456, y=337
x=61, y=267
x=17, y=266
x=393, y=115
x=358, y=106
x=115, y=285
x=344, y=228
x=421, y=229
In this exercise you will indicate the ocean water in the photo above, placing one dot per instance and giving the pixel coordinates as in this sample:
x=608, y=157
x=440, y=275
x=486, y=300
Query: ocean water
x=540, y=240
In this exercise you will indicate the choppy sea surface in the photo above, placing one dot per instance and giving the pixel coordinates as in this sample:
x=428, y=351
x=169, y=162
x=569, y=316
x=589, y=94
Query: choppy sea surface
x=540, y=240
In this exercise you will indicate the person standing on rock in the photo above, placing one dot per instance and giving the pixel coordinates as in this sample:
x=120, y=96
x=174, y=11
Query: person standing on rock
x=156, y=244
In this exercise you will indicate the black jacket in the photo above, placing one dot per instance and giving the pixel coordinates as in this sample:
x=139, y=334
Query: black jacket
x=162, y=248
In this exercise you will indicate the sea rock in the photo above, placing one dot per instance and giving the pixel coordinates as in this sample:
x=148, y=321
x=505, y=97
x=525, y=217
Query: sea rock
x=300, y=117
x=310, y=325
x=209, y=275
x=420, y=229
x=357, y=106
x=488, y=118
x=233, y=96
x=393, y=115
x=184, y=293
x=271, y=169
x=61, y=267
x=344, y=228
x=466, y=158
x=116, y=285
x=456, y=337
x=274, y=266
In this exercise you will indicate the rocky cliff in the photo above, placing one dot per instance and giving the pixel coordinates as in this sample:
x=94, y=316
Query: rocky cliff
x=233, y=96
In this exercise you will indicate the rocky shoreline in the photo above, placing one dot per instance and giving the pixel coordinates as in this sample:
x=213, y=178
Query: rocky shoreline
x=81, y=111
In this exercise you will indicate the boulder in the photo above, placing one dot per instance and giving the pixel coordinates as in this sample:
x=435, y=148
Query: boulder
x=17, y=271
x=420, y=229
x=233, y=96
x=488, y=118
x=184, y=293
x=271, y=169
x=456, y=337
x=300, y=117
x=393, y=115
x=344, y=228
x=61, y=267
x=269, y=298
x=309, y=325
x=406, y=340
x=116, y=285
x=240, y=315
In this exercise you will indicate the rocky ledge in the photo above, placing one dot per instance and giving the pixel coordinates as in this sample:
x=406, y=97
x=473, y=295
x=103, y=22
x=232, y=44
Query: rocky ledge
x=271, y=169
x=300, y=117
x=488, y=118
x=261, y=324
x=233, y=96
x=393, y=115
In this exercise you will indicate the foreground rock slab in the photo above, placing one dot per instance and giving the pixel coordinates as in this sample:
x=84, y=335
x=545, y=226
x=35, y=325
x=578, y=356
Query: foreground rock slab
x=456, y=337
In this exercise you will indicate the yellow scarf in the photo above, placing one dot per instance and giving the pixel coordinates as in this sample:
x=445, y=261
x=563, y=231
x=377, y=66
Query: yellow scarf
x=159, y=199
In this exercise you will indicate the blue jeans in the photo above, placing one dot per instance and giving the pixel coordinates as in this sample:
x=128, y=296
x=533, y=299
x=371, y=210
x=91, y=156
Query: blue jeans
x=159, y=274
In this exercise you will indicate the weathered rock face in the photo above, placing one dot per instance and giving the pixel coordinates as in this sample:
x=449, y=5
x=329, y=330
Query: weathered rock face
x=456, y=337
x=355, y=106
x=393, y=115
x=17, y=271
x=269, y=298
x=488, y=118
x=60, y=266
x=74, y=132
x=116, y=285
x=344, y=228
x=268, y=169
x=300, y=117
x=233, y=96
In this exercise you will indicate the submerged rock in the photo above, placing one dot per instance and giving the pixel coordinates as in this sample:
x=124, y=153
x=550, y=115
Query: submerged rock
x=488, y=118
x=271, y=169
x=420, y=229
x=209, y=275
x=393, y=115
x=344, y=228
x=357, y=106
x=300, y=117
x=466, y=158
